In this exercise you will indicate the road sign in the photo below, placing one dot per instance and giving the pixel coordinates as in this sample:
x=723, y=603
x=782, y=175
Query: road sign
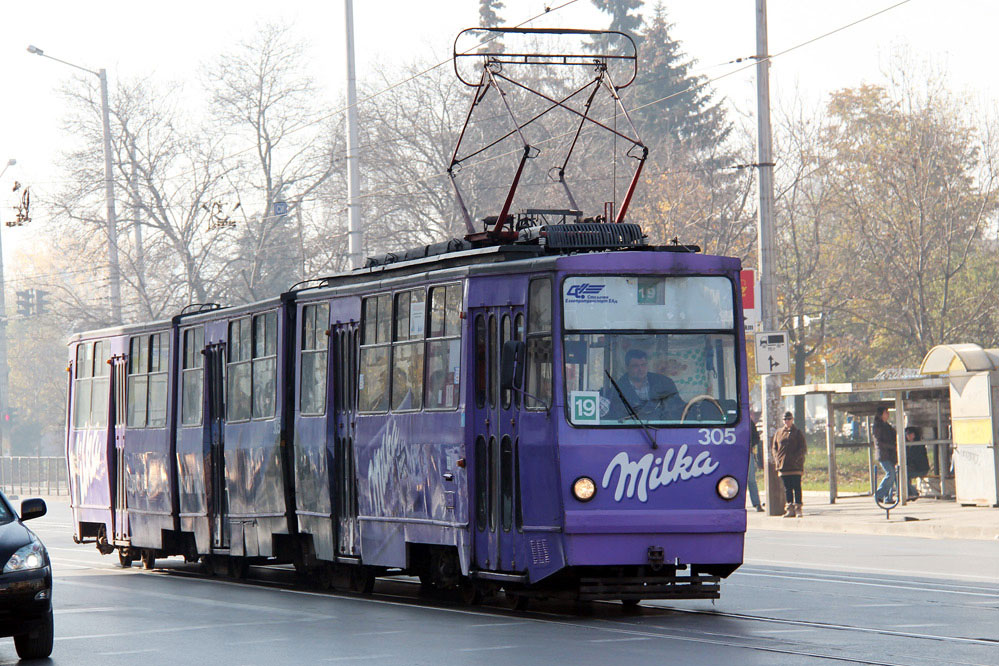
x=750, y=298
x=280, y=208
x=772, y=356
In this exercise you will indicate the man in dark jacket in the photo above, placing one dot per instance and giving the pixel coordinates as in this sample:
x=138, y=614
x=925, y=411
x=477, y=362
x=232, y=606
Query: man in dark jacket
x=651, y=395
x=885, y=437
x=789, y=451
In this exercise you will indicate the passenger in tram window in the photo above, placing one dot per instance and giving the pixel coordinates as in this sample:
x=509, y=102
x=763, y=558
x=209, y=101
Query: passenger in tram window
x=650, y=394
x=886, y=439
x=435, y=389
x=789, y=451
x=917, y=463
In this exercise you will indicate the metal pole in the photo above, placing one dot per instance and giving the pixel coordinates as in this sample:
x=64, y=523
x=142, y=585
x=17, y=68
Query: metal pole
x=831, y=448
x=769, y=385
x=903, y=475
x=354, y=236
x=109, y=195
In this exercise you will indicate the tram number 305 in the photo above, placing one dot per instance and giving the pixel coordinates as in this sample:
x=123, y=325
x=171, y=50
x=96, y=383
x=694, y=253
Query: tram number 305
x=716, y=436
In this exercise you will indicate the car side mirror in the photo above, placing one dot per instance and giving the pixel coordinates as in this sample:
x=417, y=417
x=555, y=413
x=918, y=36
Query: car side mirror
x=512, y=365
x=33, y=508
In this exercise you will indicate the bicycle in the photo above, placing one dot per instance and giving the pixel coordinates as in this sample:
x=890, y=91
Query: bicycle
x=894, y=496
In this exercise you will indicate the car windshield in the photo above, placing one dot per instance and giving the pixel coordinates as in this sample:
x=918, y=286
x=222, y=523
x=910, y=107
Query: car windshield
x=6, y=515
x=671, y=368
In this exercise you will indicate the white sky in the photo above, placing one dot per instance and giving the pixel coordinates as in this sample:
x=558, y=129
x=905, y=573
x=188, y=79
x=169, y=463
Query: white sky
x=172, y=41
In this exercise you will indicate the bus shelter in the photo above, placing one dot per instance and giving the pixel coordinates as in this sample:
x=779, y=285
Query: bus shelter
x=920, y=401
x=973, y=375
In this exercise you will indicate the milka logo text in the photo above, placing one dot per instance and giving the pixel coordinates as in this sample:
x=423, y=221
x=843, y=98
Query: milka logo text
x=650, y=472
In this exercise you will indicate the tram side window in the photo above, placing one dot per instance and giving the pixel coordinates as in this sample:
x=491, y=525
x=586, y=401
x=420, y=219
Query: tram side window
x=146, y=387
x=84, y=383
x=192, y=378
x=539, y=343
x=264, y=365
x=373, y=370
x=444, y=347
x=238, y=371
x=315, y=320
x=407, y=350
x=102, y=375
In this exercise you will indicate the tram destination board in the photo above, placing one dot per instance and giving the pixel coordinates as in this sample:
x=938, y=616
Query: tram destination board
x=772, y=356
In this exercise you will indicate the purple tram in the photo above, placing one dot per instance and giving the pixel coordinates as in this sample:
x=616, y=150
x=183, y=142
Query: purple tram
x=560, y=415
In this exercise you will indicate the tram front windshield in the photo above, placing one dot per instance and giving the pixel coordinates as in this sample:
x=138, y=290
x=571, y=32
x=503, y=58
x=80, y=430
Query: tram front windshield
x=649, y=350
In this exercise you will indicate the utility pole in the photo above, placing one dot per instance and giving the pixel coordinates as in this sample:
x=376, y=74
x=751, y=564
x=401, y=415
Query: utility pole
x=769, y=384
x=4, y=373
x=354, y=237
x=109, y=195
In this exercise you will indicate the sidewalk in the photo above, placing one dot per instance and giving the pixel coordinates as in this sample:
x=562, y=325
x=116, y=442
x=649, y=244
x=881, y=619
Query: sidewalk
x=930, y=518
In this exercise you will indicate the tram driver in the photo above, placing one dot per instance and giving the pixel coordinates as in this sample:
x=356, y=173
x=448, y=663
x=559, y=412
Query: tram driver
x=651, y=395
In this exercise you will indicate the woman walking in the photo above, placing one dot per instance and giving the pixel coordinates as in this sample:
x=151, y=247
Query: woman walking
x=789, y=451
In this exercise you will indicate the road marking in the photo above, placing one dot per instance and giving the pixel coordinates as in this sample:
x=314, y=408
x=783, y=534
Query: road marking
x=188, y=599
x=880, y=605
x=492, y=647
x=112, y=654
x=376, y=633
x=893, y=586
x=493, y=624
x=619, y=640
x=910, y=626
x=171, y=630
x=908, y=573
x=110, y=609
x=767, y=632
x=265, y=640
x=361, y=657
x=769, y=610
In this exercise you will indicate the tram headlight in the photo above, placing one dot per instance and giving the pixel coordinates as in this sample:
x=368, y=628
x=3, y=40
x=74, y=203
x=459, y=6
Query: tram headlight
x=728, y=487
x=584, y=488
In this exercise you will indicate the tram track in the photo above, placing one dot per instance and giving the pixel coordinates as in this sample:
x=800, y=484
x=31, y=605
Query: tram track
x=403, y=592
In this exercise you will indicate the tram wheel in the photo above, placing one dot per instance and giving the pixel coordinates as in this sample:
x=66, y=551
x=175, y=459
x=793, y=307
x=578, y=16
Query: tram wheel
x=517, y=602
x=362, y=580
x=238, y=567
x=148, y=558
x=470, y=592
x=125, y=557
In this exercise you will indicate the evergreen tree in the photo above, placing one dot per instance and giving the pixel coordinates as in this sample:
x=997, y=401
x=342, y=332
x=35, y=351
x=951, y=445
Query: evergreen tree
x=489, y=13
x=622, y=19
x=687, y=114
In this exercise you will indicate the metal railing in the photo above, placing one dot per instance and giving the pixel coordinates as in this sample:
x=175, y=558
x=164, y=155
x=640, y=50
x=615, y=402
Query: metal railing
x=25, y=475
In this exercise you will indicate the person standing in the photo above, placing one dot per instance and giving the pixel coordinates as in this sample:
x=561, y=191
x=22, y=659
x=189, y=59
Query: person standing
x=789, y=451
x=886, y=438
x=917, y=463
x=755, y=450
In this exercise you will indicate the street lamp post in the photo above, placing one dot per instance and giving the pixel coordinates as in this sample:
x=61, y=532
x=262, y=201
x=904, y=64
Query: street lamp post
x=4, y=373
x=112, y=222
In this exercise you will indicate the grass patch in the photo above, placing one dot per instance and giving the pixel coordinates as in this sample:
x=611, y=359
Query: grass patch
x=852, y=467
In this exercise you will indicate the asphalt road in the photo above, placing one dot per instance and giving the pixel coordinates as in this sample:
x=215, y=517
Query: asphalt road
x=800, y=599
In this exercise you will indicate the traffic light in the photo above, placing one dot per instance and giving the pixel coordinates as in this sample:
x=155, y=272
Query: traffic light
x=24, y=302
x=40, y=301
x=9, y=416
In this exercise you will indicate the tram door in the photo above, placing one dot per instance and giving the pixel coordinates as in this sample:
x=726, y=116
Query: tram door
x=117, y=419
x=218, y=495
x=343, y=370
x=496, y=419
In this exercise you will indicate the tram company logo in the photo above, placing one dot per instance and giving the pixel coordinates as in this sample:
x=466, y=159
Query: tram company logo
x=648, y=473
x=584, y=290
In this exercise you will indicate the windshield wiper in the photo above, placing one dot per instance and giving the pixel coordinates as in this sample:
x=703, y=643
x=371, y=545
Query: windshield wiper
x=632, y=412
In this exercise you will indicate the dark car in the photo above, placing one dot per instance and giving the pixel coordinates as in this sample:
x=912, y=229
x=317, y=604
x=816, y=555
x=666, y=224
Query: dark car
x=25, y=582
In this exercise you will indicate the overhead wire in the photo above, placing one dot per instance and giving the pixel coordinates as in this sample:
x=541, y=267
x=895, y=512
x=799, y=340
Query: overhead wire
x=691, y=88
